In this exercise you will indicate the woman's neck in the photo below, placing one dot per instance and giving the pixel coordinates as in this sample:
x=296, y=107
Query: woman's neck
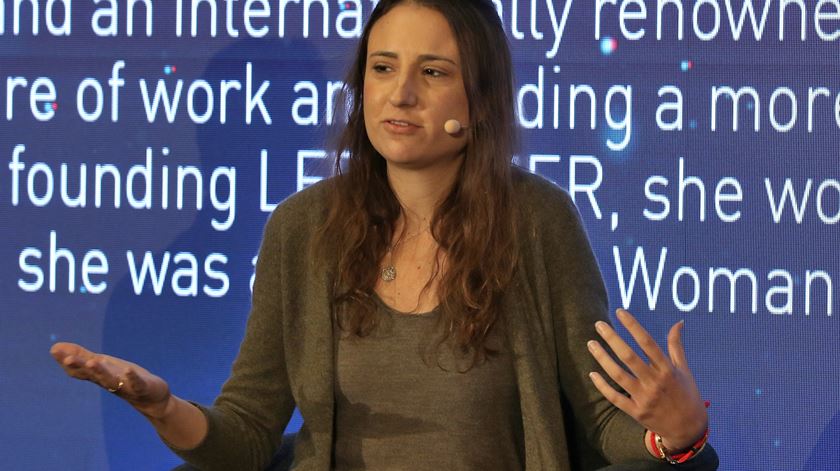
x=420, y=191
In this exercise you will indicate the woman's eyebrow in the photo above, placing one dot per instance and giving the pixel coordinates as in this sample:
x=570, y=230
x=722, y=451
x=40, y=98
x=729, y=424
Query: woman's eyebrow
x=421, y=57
x=433, y=57
x=392, y=55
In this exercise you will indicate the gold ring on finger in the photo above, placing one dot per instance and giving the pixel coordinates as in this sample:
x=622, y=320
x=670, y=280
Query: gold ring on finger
x=117, y=389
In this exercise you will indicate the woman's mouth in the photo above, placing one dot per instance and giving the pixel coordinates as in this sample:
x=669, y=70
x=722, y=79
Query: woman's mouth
x=397, y=126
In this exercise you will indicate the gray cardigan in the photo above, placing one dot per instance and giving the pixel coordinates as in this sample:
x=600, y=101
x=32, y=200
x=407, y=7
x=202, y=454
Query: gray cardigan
x=286, y=358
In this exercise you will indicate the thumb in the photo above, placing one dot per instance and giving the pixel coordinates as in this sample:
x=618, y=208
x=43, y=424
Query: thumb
x=675, y=346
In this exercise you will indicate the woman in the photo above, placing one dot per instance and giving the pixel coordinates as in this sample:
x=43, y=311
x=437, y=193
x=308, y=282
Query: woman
x=394, y=303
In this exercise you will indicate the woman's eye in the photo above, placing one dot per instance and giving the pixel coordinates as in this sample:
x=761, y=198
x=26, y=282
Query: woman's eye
x=432, y=72
x=380, y=68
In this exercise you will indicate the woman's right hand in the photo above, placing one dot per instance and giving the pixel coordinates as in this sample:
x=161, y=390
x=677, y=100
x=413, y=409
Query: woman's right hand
x=148, y=393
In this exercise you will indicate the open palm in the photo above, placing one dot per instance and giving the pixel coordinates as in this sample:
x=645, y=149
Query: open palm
x=148, y=393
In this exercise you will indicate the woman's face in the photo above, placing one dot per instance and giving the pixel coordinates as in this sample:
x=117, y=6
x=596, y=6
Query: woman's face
x=413, y=85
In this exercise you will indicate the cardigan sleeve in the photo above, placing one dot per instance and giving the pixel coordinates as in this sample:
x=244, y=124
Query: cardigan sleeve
x=246, y=421
x=579, y=299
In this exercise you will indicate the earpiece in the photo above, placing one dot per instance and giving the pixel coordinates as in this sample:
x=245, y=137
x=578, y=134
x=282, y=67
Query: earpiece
x=453, y=126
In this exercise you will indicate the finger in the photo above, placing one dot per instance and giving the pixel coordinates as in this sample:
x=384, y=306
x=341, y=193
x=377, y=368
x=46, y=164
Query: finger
x=75, y=368
x=103, y=373
x=72, y=361
x=643, y=338
x=61, y=350
x=636, y=365
x=619, y=400
x=618, y=374
x=676, y=350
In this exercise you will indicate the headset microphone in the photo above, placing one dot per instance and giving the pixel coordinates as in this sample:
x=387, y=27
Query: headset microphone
x=453, y=127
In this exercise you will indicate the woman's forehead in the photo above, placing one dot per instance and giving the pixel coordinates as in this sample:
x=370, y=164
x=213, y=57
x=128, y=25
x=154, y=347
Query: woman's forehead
x=411, y=30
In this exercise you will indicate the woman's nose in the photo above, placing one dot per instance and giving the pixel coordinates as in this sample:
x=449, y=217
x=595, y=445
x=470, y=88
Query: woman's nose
x=404, y=92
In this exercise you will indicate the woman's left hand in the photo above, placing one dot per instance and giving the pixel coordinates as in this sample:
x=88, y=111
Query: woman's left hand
x=661, y=395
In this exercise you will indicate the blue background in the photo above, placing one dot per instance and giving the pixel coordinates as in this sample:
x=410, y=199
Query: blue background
x=773, y=380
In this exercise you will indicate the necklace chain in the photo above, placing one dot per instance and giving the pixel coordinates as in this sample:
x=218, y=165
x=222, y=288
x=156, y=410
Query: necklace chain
x=389, y=273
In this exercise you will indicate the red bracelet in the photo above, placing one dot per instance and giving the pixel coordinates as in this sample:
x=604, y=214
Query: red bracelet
x=694, y=450
x=691, y=452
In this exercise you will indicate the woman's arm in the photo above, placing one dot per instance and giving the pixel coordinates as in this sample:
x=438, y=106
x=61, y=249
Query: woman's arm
x=177, y=421
x=243, y=428
x=579, y=301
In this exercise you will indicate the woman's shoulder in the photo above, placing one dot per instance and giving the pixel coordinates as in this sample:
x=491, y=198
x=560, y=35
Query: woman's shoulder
x=548, y=217
x=307, y=202
x=538, y=196
x=303, y=209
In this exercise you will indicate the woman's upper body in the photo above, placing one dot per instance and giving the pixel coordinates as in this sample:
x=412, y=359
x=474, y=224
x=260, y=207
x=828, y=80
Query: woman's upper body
x=287, y=358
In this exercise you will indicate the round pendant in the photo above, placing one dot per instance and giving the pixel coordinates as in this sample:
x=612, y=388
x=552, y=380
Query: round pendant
x=389, y=273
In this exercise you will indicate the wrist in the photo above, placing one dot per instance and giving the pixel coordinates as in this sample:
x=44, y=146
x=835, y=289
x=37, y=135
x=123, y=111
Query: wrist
x=656, y=446
x=181, y=424
x=659, y=448
x=687, y=438
x=676, y=445
x=160, y=411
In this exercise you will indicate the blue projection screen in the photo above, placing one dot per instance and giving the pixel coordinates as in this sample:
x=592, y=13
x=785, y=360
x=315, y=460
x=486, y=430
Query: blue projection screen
x=145, y=142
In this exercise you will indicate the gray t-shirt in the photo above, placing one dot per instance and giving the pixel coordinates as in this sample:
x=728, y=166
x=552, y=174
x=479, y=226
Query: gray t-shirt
x=397, y=409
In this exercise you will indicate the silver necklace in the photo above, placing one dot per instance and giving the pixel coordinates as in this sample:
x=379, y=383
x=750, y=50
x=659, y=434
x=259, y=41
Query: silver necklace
x=389, y=273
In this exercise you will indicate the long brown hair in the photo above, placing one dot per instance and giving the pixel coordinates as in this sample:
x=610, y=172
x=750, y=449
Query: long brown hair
x=475, y=225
